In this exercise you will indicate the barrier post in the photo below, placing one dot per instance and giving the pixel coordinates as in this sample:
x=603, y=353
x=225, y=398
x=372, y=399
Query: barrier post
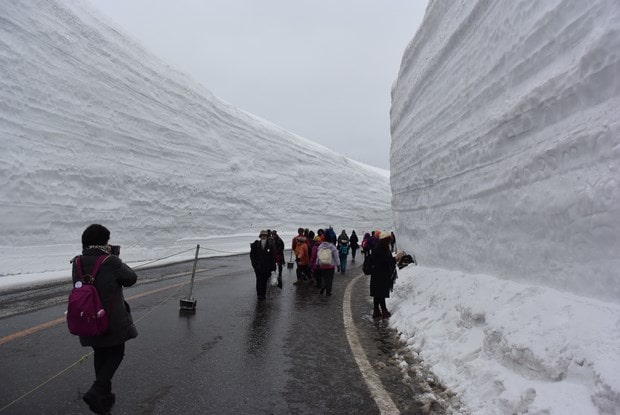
x=189, y=303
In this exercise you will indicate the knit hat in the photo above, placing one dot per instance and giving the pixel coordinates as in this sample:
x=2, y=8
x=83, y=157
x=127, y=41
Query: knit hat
x=263, y=233
x=385, y=234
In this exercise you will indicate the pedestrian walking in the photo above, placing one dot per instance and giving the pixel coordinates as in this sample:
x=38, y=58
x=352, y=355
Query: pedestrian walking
x=354, y=244
x=279, y=255
x=302, y=257
x=366, y=244
x=382, y=275
x=316, y=272
x=262, y=255
x=108, y=348
x=343, y=250
x=328, y=260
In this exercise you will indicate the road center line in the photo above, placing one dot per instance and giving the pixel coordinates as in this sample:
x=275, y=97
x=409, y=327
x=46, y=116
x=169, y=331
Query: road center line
x=378, y=392
x=52, y=323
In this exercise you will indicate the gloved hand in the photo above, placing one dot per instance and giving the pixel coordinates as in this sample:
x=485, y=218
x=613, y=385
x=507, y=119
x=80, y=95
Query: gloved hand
x=338, y=268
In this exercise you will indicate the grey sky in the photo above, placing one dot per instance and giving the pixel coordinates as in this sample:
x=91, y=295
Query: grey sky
x=321, y=69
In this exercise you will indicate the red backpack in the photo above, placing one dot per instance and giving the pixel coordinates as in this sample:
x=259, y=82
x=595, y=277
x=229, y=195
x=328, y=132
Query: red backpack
x=85, y=314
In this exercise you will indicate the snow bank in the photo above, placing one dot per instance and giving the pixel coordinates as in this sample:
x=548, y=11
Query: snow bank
x=505, y=154
x=510, y=348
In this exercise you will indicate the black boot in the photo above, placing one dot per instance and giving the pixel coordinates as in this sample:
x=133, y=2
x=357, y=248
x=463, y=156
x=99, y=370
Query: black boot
x=95, y=398
x=108, y=401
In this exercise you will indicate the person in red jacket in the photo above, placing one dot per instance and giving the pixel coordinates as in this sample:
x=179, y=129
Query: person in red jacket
x=302, y=256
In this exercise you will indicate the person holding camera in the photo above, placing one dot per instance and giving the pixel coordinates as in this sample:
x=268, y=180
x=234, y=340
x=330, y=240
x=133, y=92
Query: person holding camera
x=109, y=348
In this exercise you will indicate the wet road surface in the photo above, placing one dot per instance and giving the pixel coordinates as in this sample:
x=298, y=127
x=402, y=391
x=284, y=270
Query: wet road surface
x=288, y=354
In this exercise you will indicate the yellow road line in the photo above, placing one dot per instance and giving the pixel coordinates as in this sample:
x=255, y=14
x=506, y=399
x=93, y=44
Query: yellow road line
x=52, y=323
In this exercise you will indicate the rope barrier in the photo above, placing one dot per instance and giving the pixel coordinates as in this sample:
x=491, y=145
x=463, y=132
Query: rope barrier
x=183, y=252
x=162, y=258
x=84, y=357
x=79, y=361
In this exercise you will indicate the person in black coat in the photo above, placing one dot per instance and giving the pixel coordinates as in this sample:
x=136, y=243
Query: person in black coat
x=355, y=244
x=262, y=255
x=381, y=277
x=109, y=348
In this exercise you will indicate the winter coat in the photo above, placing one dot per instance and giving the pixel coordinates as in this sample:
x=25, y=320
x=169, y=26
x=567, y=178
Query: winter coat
x=112, y=276
x=354, y=241
x=315, y=248
x=302, y=254
x=263, y=260
x=335, y=257
x=366, y=243
x=279, y=249
x=383, y=266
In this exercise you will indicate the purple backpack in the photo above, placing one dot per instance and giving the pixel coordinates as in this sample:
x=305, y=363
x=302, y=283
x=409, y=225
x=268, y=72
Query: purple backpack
x=85, y=314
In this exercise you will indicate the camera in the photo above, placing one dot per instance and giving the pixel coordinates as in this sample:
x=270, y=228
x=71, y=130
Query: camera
x=115, y=250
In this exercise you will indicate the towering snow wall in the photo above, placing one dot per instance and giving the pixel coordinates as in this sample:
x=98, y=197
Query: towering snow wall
x=93, y=128
x=506, y=142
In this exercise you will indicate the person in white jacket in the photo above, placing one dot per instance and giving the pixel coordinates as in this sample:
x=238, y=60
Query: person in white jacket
x=327, y=261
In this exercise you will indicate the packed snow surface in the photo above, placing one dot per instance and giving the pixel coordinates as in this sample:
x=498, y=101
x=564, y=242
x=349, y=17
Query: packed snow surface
x=504, y=169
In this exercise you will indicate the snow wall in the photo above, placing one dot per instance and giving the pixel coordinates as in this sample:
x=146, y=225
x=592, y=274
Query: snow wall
x=95, y=129
x=505, y=148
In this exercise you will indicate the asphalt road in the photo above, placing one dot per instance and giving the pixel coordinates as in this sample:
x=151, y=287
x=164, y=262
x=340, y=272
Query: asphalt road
x=289, y=354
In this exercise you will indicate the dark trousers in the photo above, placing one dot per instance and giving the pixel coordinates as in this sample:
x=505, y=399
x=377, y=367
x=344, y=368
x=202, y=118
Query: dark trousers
x=317, y=277
x=327, y=278
x=353, y=251
x=303, y=270
x=379, y=303
x=262, y=278
x=107, y=360
x=343, y=263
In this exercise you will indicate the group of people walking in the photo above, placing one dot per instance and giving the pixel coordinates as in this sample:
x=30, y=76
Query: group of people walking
x=318, y=256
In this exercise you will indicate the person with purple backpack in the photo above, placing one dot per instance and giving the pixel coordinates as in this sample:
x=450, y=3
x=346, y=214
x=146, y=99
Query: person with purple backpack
x=111, y=276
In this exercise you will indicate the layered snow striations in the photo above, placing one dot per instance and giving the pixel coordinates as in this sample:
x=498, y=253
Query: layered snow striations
x=505, y=154
x=505, y=169
x=94, y=128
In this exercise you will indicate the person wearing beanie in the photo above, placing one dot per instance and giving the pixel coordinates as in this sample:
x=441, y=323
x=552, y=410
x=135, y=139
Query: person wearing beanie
x=381, y=277
x=109, y=348
x=262, y=255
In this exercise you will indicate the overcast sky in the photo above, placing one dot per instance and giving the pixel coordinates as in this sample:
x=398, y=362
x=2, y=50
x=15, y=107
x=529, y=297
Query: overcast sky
x=321, y=69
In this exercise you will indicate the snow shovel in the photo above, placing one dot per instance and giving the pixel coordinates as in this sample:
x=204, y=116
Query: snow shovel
x=290, y=263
